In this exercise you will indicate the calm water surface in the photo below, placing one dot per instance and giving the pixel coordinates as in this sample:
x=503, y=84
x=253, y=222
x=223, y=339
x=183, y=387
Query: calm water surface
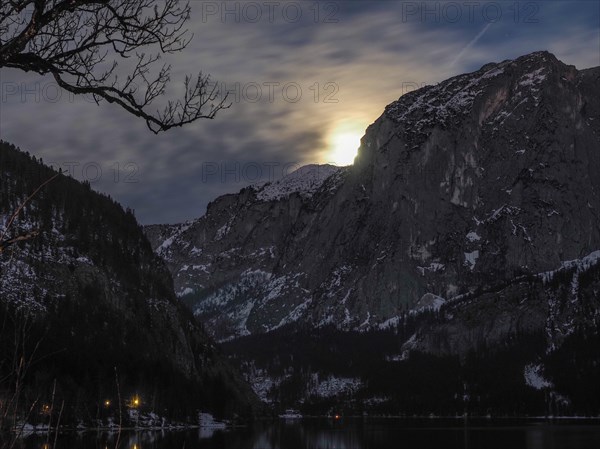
x=350, y=434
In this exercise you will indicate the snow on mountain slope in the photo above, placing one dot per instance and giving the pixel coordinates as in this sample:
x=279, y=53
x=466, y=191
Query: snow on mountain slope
x=177, y=230
x=238, y=282
x=305, y=181
x=434, y=105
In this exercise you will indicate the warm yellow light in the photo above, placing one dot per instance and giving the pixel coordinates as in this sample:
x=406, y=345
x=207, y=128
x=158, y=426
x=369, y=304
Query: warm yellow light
x=344, y=141
x=135, y=401
x=107, y=403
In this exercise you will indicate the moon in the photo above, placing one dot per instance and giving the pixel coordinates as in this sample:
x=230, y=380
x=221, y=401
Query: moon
x=344, y=141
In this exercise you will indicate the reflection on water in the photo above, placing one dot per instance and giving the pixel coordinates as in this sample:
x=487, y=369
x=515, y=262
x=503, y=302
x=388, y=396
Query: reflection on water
x=346, y=434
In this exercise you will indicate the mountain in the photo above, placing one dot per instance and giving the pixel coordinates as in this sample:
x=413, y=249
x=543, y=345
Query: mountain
x=88, y=305
x=468, y=221
x=228, y=263
x=468, y=184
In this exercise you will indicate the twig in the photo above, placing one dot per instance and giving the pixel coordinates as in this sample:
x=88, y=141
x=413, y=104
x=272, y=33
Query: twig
x=22, y=427
x=51, y=411
x=62, y=405
x=9, y=242
x=120, y=412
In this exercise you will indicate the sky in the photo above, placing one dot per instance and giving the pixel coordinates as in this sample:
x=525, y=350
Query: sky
x=305, y=79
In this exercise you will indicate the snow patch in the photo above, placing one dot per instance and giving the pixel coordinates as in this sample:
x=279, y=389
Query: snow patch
x=534, y=378
x=185, y=291
x=334, y=386
x=432, y=268
x=163, y=248
x=207, y=420
x=473, y=237
x=471, y=259
x=306, y=181
x=429, y=301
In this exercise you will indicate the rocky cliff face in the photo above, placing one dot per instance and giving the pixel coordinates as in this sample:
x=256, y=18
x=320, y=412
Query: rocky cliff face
x=229, y=263
x=100, y=302
x=470, y=196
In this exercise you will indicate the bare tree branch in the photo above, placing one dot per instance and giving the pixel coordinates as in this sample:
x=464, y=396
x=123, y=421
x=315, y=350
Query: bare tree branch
x=75, y=40
x=24, y=203
x=6, y=243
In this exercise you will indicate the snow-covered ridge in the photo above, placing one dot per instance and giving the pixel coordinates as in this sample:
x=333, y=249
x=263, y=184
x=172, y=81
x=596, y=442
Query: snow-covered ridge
x=306, y=181
x=437, y=103
x=580, y=265
x=434, y=104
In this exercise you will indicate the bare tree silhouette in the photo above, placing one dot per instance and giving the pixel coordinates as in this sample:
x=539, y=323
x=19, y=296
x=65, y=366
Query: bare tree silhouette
x=81, y=42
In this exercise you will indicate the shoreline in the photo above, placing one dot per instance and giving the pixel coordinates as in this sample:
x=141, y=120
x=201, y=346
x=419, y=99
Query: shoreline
x=28, y=430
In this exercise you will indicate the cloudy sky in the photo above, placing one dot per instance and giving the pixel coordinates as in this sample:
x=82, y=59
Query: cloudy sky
x=305, y=80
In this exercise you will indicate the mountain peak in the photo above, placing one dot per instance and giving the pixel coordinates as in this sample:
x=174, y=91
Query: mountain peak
x=305, y=181
x=496, y=88
x=543, y=56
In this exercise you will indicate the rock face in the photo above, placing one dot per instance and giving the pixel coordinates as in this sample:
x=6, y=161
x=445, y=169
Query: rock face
x=471, y=192
x=230, y=264
x=101, y=300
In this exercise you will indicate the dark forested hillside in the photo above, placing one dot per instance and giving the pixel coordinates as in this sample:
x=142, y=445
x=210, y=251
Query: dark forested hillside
x=86, y=304
x=328, y=371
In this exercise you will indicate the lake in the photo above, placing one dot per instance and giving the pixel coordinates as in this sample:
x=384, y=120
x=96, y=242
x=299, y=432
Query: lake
x=349, y=433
